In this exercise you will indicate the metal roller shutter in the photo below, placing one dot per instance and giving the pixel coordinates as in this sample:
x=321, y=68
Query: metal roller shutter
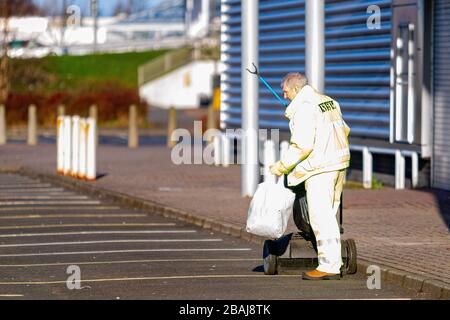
x=357, y=61
x=441, y=154
x=357, y=65
x=281, y=50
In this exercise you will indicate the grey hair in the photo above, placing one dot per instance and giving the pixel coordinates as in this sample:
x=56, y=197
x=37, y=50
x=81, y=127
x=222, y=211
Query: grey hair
x=294, y=79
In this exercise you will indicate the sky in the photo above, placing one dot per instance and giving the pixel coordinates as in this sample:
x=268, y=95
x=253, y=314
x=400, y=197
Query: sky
x=106, y=7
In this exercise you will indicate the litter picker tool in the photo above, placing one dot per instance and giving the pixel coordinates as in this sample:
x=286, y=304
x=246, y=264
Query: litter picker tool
x=255, y=72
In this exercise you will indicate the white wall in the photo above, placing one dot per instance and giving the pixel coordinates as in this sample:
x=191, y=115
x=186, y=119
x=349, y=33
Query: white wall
x=181, y=88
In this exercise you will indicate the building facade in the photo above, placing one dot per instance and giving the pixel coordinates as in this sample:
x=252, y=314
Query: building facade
x=385, y=62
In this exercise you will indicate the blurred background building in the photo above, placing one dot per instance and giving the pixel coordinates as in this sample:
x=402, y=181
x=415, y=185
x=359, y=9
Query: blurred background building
x=70, y=26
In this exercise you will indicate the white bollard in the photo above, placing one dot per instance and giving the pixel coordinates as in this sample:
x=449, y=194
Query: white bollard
x=367, y=168
x=82, y=149
x=91, y=170
x=284, y=146
x=67, y=145
x=414, y=170
x=217, y=140
x=75, y=145
x=226, y=150
x=2, y=125
x=270, y=158
x=399, y=170
x=60, y=144
x=32, y=139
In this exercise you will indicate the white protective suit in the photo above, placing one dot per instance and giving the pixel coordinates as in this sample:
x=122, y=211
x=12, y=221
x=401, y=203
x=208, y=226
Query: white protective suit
x=318, y=155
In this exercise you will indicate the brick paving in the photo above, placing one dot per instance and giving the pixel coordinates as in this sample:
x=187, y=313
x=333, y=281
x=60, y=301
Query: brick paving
x=406, y=230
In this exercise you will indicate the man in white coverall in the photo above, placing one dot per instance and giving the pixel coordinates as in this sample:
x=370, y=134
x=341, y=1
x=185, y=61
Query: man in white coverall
x=318, y=155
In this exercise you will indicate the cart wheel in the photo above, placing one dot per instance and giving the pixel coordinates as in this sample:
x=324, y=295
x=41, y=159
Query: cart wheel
x=351, y=256
x=270, y=264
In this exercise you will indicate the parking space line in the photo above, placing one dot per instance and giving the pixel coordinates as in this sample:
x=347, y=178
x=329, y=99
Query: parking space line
x=93, y=225
x=48, y=244
x=48, y=216
x=19, y=235
x=61, y=208
x=34, y=190
x=123, y=262
x=66, y=253
x=187, y=277
x=60, y=196
x=32, y=202
x=11, y=295
x=25, y=185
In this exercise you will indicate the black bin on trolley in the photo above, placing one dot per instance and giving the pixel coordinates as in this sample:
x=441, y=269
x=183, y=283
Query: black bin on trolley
x=297, y=252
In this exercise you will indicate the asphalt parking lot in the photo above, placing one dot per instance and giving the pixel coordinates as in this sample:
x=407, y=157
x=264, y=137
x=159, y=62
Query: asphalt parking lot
x=59, y=244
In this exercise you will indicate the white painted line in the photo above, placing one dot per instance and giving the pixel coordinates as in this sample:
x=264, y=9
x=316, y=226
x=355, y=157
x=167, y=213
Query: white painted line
x=59, y=208
x=48, y=216
x=65, y=253
x=47, y=244
x=25, y=185
x=94, y=225
x=44, y=197
x=34, y=190
x=93, y=232
x=11, y=295
x=121, y=262
x=212, y=276
x=62, y=202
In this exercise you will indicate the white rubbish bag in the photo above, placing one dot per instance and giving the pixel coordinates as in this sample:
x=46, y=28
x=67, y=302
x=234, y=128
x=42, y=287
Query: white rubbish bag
x=270, y=209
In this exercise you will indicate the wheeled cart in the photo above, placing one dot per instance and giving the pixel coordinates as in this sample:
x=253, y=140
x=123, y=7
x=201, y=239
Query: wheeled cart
x=297, y=252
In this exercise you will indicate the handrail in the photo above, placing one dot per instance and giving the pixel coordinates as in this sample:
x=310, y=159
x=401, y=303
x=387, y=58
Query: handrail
x=173, y=60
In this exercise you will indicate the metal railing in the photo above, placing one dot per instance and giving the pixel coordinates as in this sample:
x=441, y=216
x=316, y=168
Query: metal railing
x=223, y=149
x=173, y=60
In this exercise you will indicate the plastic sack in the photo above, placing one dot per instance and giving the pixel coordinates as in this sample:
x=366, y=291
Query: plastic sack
x=270, y=208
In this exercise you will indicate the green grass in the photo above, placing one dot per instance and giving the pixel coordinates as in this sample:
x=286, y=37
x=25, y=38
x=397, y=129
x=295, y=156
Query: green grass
x=74, y=71
x=121, y=67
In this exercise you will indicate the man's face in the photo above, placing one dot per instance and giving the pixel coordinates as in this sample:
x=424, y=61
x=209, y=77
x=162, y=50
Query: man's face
x=290, y=93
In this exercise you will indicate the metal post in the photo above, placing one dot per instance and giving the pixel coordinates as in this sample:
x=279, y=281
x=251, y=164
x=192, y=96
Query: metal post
x=94, y=13
x=74, y=170
x=269, y=159
x=91, y=154
x=67, y=144
x=284, y=146
x=32, y=126
x=2, y=125
x=217, y=141
x=93, y=113
x=82, y=169
x=60, y=144
x=171, y=126
x=226, y=150
x=315, y=43
x=367, y=168
x=61, y=111
x=399, y=170
x=250, y=172
x=133, y=136
x=414, y=170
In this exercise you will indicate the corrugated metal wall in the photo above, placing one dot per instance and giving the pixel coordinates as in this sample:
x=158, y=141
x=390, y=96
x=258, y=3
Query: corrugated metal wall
x=441, y=154
x=281, y=50
x=357, y=61
x=357, y=65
